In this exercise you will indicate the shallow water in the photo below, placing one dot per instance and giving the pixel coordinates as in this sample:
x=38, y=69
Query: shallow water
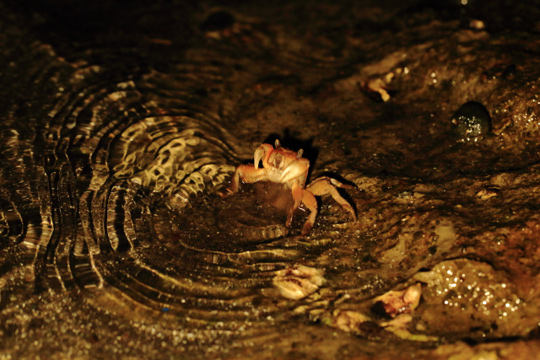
x=120, y=131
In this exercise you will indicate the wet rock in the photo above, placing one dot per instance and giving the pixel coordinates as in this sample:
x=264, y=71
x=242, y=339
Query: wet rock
x=470, y=296
x=471, y=120
x=298, y=281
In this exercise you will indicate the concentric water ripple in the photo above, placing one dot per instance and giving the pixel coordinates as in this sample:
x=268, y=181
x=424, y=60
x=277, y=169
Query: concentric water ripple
x=126, y=182
x=117, y=149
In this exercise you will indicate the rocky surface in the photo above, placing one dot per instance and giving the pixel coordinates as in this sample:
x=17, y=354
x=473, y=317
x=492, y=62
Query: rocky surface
x=122, y=123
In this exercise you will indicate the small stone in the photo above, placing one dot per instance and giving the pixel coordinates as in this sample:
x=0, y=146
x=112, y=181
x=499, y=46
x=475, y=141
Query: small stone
x=471, y=120
x=297, y=282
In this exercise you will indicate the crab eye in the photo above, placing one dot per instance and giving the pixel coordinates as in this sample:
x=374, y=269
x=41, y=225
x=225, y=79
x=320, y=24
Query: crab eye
x=300, y=153
x=277, y=144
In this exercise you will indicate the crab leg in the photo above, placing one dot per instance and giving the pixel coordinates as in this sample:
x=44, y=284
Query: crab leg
x=248, y=174
x=297, y=194
x=325, y=185
x=308, y=199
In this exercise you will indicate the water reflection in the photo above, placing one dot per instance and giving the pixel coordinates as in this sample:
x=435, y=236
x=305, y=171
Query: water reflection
x=116, y=149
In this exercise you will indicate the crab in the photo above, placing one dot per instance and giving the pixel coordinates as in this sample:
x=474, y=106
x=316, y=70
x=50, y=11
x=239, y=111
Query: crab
x=287, y=167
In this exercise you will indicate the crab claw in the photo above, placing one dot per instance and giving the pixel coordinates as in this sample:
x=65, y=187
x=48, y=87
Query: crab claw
x=295, y=170
x=260, y=154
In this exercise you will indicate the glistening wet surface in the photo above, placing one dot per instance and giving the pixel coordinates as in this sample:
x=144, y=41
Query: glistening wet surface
x=123, y=123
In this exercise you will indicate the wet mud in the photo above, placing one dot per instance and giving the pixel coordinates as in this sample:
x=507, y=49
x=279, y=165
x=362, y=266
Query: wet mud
x=121, y=125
